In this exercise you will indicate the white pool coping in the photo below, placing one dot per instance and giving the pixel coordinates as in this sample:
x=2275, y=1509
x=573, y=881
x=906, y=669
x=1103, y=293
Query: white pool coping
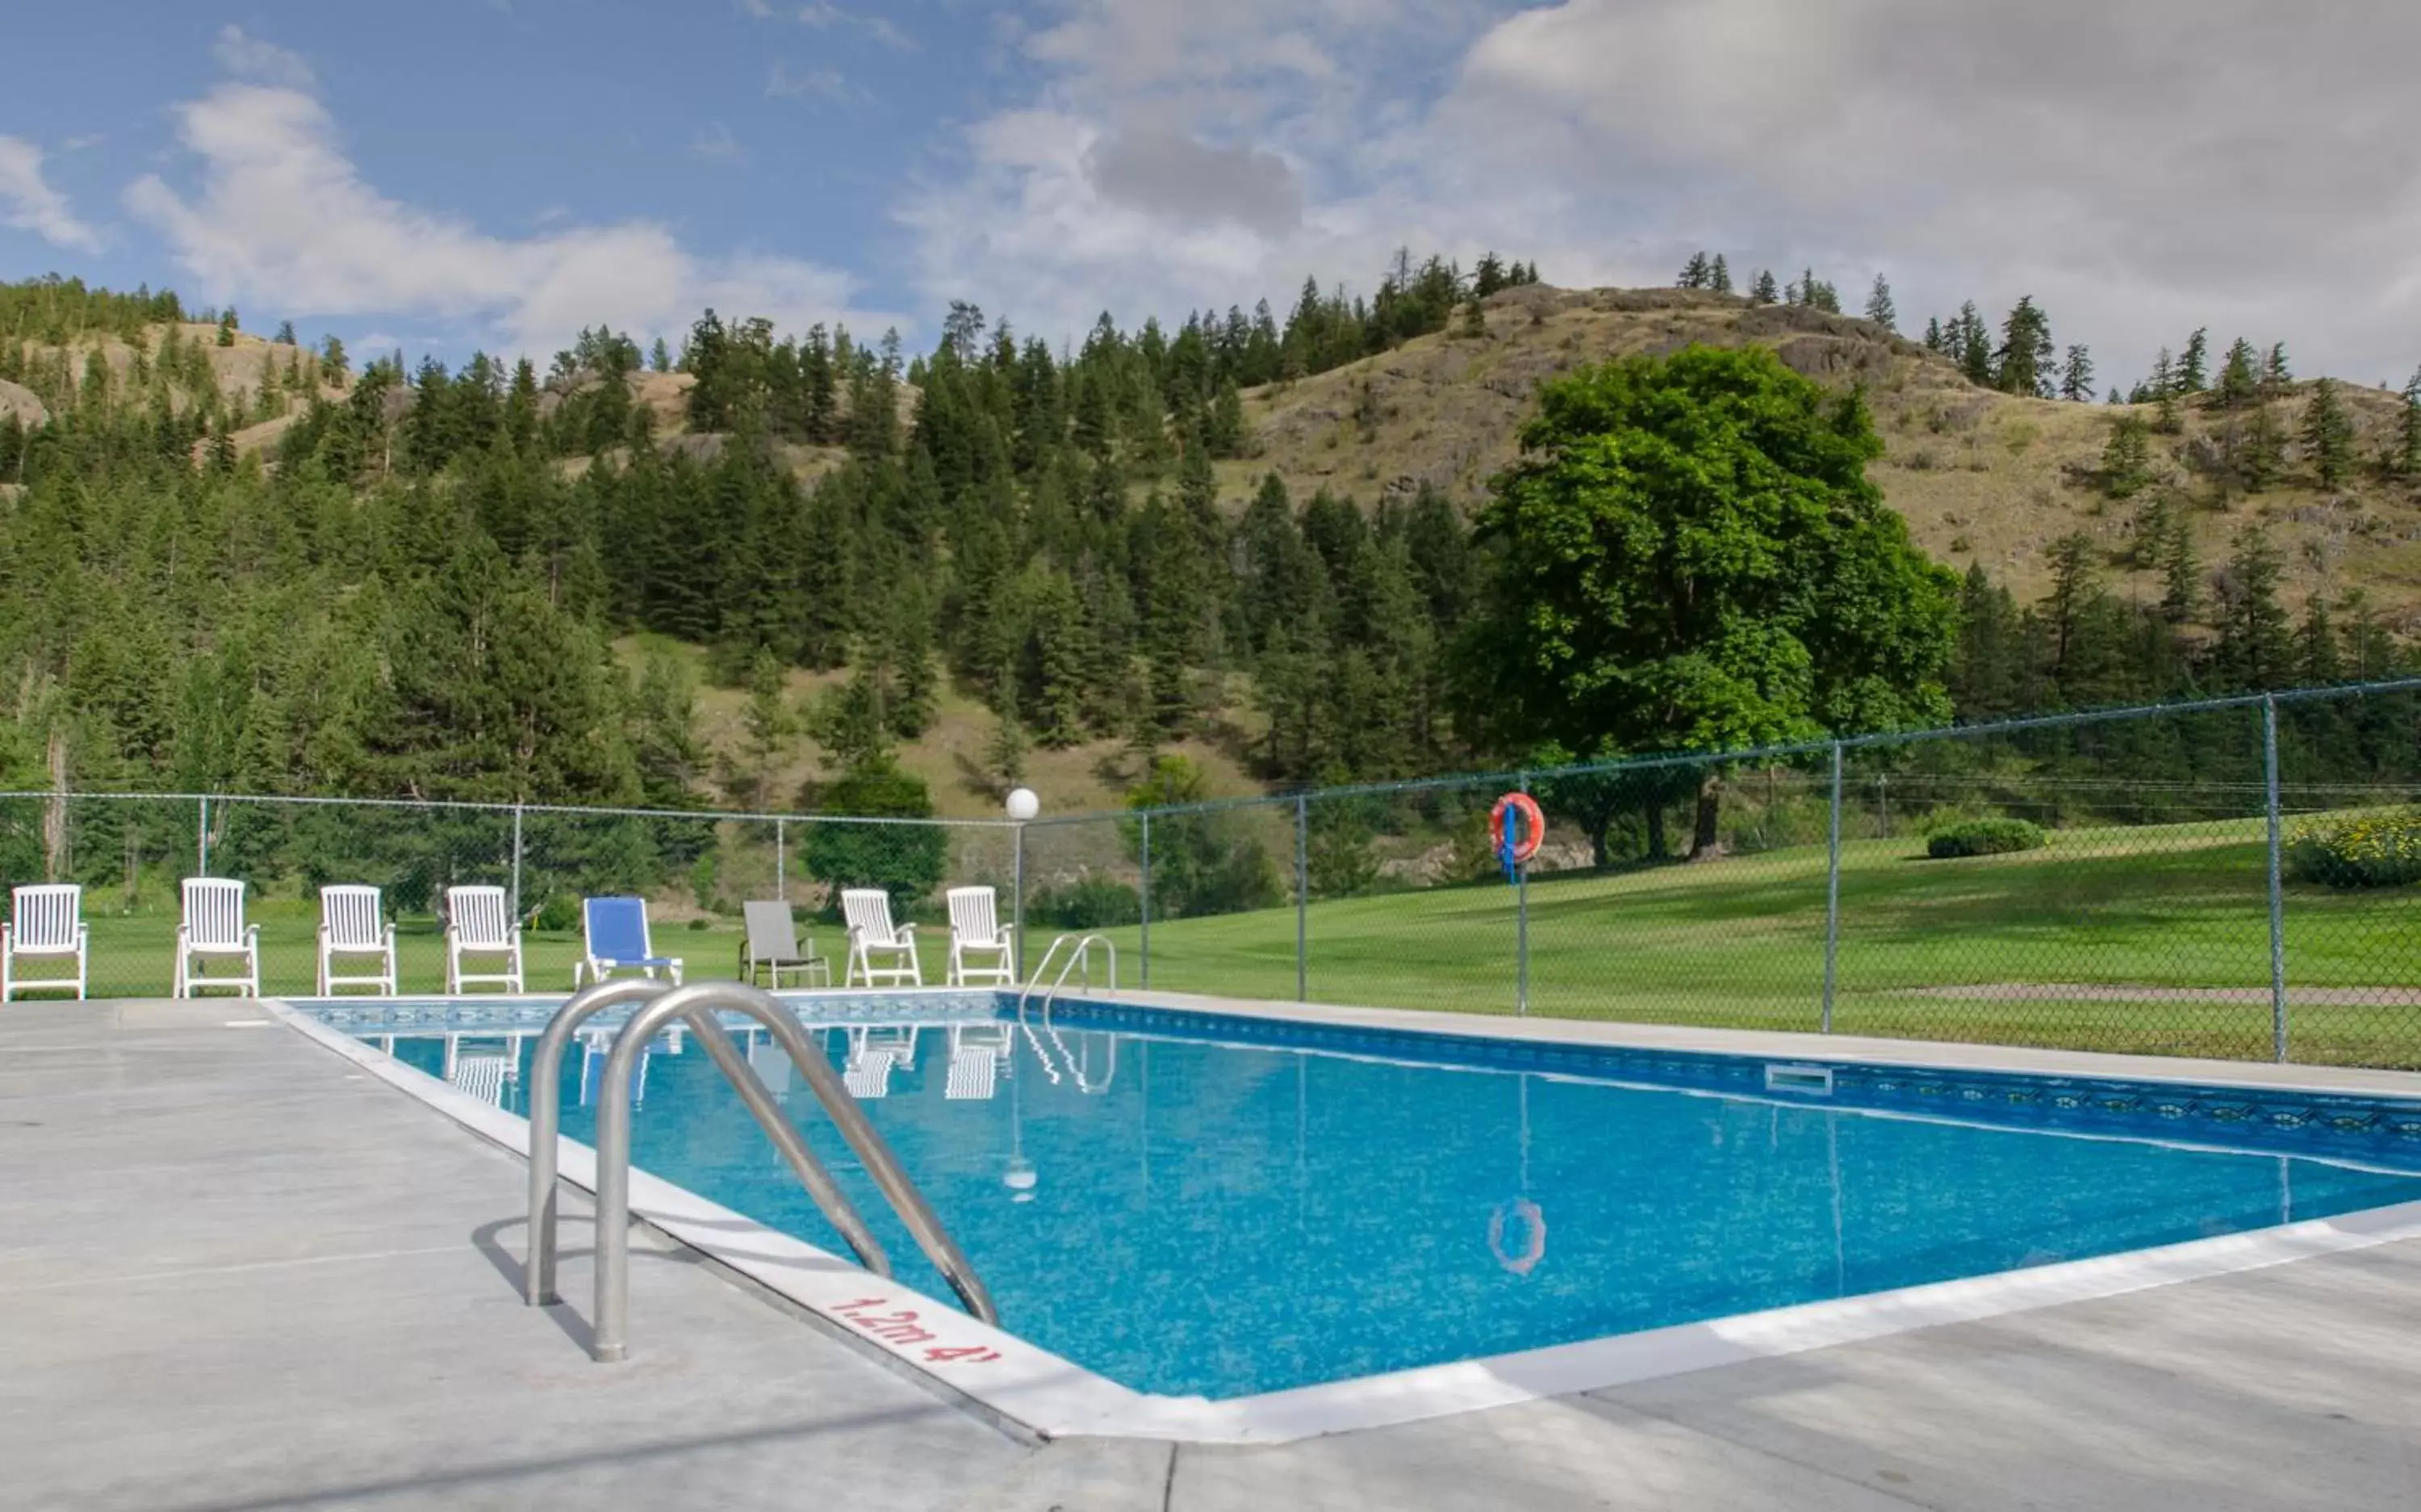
x=1049, y=1396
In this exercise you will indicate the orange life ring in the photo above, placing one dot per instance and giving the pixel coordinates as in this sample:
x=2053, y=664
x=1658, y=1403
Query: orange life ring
x=1534, y=826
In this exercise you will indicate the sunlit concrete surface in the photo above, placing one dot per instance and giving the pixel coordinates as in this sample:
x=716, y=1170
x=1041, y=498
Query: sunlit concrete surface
x=237, y=1273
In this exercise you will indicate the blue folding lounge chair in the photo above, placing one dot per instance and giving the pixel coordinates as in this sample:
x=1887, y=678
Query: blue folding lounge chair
x=617, y=932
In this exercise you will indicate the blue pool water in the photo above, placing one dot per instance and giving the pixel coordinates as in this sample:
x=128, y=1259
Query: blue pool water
x=1186, y=1214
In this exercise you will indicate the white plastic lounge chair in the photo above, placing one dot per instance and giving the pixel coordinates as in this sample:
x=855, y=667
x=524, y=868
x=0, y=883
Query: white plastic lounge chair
x=478, y=922
x=215, y=929
x=772, y=947
x=353, y=922
x=617, y=932
x=46, y=923
x=977, y=1052
x=485, y=1073
x=867, y=912
x=975, y=930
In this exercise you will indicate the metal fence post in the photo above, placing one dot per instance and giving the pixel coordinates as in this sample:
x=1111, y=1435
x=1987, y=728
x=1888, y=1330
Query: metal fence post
x=1301, y=897
x=1833, y=891
x=2278, y=887
x=516, y=860
x=202, y=841
x=781, y=867
x=1145, y=897
x=1522, y=922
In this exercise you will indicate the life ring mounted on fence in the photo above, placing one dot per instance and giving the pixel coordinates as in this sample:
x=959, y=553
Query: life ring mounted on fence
x=1533, y=830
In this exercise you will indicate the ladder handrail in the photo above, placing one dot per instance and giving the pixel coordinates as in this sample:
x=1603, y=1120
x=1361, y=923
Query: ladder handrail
x=1082, y=954
x=546, y=1122
x=697, y=1006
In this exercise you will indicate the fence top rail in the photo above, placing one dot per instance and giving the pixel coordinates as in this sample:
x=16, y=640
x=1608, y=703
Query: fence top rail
x=1511, y=777
x=714, y=816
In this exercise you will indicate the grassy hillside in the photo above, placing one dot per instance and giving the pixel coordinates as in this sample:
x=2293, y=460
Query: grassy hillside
x=950, y=755
x=1981, y=477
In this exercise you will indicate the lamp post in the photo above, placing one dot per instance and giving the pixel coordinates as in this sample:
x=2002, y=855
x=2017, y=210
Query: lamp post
x=1023, y=806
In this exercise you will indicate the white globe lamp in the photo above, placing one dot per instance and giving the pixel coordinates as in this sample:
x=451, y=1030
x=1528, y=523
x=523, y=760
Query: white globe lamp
x=1023, y=804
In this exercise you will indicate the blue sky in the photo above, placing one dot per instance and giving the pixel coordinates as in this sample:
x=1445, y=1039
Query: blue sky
x=497, y=173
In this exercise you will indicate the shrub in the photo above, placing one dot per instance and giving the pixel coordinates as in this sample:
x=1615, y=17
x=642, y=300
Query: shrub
x=2378, y=850
x=1091, y=903
x=1984, y=837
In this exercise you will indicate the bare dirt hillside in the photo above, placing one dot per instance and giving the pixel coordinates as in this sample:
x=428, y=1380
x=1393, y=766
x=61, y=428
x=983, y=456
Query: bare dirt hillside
x=1981, y=476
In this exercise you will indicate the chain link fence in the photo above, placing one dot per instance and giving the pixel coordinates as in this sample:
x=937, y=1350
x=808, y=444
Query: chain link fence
x=2239, y=879
x=130, y=854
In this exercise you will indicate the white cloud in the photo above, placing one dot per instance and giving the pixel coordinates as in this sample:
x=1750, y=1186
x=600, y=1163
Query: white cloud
x=824, y=15
x=1176, y=153
x=251, y=58
x=783, y=81
x=280, y=217
x=2141, y=170
x=714, y=142
x=29, y=203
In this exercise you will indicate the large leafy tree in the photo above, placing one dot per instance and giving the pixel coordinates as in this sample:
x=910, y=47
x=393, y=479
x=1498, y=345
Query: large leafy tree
x=1688, y=557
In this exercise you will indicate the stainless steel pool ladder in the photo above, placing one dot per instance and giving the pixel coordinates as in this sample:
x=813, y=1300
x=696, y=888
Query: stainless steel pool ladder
x=658, y=1005
x=1082, y=956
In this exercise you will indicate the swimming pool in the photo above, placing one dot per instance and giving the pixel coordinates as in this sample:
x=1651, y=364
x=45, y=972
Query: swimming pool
x=1196, y=1205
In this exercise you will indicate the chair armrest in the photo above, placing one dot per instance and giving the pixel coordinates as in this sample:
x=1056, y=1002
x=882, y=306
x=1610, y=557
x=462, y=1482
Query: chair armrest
x=184, y=932
x=8, y=936
x=84, y=935
x=907, y=932
x=252, y=936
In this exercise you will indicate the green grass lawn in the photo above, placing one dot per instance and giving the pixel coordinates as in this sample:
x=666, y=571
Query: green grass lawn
x=2007, y=949
x=1740, y=942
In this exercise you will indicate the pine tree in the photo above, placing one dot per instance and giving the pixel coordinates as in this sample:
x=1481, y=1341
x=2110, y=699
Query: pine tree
x=1698, y=274
x=2076, y=377
x=2024, y=363
x=1721, y=279
x=2264, y=451
x=2181, y=570
x=286, y=332
x=2165, y=394
x=1006, y=750
x=2240, y=381
x=2404, y=459
x=2194, y=369
x=227, y=329
x=2254, y=647
x=2126, y=459
x=1880, y=308
x=2316, y=649
x=1973, y=341
x=2275, y=372
x=768, y=723
x=2328, y=434
x=1763, y=290
x=1933, y=340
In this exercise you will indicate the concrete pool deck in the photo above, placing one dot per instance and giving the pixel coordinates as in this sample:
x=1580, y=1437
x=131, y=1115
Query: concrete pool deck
x=235, y=1271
